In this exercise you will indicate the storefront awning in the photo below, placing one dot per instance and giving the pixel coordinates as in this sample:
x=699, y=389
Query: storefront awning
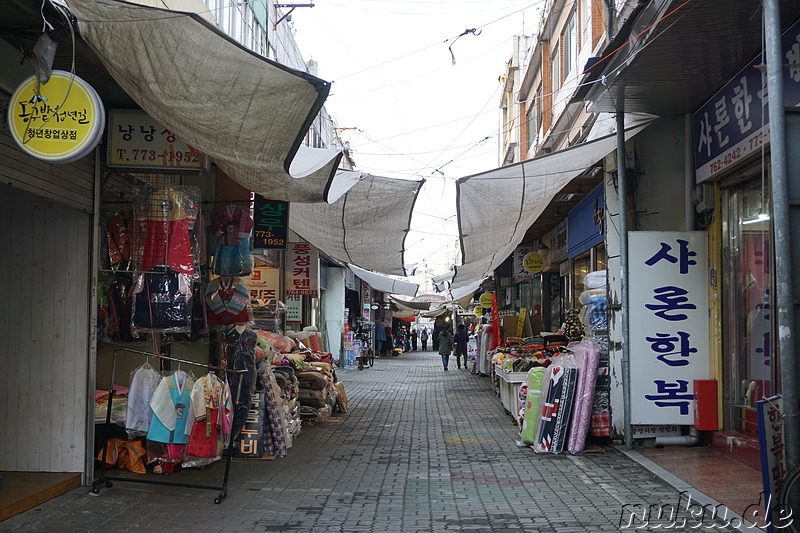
x=385, y=283
x=248, y=113
x=495, y=208
x=367, y=226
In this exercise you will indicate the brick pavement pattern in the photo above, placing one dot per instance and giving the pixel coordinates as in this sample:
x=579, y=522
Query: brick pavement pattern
x=419, y=450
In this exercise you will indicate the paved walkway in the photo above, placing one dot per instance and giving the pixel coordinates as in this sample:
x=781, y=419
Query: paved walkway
x=420, y=450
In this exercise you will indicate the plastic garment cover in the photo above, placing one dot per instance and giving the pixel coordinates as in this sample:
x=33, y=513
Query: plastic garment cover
x=168, y=216
x=240, y=354
x=124, y=238
x=231, y=228
x=162, y=302
x=144, y=381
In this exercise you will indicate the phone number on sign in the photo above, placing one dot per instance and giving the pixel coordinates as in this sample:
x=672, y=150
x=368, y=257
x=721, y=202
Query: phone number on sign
x=135, y=155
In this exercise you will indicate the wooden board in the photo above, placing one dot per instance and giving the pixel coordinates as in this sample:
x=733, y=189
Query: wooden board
x=24, y=490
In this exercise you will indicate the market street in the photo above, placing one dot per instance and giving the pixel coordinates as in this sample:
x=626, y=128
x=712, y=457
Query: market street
x=419, y=450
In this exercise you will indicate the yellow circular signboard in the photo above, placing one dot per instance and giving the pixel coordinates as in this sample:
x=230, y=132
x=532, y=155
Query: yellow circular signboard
x=478, y=310
x=533, y=263
x=58, y=122
x=486, y=300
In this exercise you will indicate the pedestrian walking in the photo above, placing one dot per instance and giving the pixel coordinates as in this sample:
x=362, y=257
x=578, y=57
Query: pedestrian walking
x=460, y=340
x=414, y=339
x=445, y=346
x=424, y=338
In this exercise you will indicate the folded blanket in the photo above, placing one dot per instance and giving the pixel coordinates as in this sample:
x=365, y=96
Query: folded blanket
x=312, y=398
x=311, y=380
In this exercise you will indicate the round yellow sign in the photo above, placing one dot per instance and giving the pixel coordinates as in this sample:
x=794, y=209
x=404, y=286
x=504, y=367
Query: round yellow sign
x=533, y=262
x=478, y=310
x=58, y=122
x=486, y=300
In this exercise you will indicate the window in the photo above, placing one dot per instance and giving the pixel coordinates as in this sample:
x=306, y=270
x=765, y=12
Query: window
x=586, y=17
x=539, y=103
x=555, y=69
x=532, y=126
x=569, y=40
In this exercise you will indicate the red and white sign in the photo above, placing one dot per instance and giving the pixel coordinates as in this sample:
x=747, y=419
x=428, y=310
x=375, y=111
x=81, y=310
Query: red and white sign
x=302, y=269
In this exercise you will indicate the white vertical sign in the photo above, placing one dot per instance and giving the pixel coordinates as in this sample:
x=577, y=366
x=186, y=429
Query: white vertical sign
x=669, y=342
x=302, y=269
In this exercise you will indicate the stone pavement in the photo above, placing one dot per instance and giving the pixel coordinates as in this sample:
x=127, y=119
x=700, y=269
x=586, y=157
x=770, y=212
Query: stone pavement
x=420, y=450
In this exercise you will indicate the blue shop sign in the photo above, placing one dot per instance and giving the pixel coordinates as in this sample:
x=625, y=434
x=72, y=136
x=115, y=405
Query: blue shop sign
x=734, y=123
x=587, y=223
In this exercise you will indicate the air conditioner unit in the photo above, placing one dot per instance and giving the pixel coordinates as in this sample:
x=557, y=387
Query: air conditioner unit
x=703, y=197
x=610, y=160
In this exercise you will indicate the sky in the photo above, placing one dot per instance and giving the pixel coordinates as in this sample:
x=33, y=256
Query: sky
x=415, y=100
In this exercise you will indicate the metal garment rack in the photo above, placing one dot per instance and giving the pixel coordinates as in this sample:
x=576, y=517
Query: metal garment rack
x=109, y=480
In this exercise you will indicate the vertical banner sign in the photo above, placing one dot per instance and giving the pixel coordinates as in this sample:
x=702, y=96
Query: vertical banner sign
x=349, y=279
x=302, y=269
x=264, y=284
x=668, y=324
x=771, y=448
x=294, y=309
x=270, y=223
x=518, y=268
x=366, y=300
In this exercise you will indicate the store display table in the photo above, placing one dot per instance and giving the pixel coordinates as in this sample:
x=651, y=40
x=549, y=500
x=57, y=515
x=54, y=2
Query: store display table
x=510, y=383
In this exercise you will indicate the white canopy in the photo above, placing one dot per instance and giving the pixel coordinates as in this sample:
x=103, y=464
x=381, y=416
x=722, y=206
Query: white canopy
x=385, y=283
x=496, y=208
x=367, y=226
x=248, y=113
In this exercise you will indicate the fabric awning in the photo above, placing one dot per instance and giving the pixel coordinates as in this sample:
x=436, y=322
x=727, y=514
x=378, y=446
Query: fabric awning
x=411, y=306
x=513, y=197
x=385, y=283
x=367, y=226
x=248, y=113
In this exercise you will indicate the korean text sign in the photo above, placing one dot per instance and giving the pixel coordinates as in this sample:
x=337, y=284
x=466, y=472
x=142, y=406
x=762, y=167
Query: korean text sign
x=734, y=123
x=302, y=269
x=669, y=342
x=136, y=140
x=270, y=223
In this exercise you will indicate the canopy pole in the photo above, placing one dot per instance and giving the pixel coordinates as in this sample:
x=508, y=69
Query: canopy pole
x=782, y=233
x=622, y=191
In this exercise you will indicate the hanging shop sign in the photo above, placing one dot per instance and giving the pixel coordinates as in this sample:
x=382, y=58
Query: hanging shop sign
x=734, y=123
x=518, y=271
x=136, y=140
x=668, y=323
x=587, y=223
x=533, y=262
x=486, y=300
x=270, y=223
x=558, y=242
x=302, y=269
x=264, y=284
x=478, y=311
x=771, y=443
x=294, y=309
x=349, y=279
x=58, y=122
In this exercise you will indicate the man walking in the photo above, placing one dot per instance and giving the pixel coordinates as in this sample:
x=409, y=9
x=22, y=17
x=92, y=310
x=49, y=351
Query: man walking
x=414, y=339
x=460, y=339
x=424, y=338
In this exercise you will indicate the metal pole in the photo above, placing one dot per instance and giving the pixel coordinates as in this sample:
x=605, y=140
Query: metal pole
x=782, y=235
x=622, y=191
x=688, y=172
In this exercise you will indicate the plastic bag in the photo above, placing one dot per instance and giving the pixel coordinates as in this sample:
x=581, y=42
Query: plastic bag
x=161, y=302
x=587, y=355
x=588, y=294
x=595, y=280
x=558, y=392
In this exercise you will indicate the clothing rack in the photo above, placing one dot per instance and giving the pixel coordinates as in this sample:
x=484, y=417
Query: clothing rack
x=109, y=480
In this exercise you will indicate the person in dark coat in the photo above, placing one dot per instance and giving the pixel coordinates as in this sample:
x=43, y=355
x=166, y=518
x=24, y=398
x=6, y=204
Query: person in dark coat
x=424, y=338
x=445, y=345
x=414, y=339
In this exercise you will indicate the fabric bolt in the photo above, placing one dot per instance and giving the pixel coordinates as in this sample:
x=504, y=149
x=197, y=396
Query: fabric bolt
x=588, y=356
x=530, y=418
x=231, y=229
x=162, y=301
x=168, y=218
x=274, y=424
x=172, y=409
x=240, y=354
x=227, y=301
x=144, y=383
x=558, y=389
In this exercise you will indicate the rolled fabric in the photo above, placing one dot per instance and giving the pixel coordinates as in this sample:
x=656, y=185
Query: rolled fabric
x=530, y=418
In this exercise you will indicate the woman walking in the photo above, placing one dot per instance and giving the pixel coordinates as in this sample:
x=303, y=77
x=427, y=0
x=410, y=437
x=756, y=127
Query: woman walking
x=445, y=346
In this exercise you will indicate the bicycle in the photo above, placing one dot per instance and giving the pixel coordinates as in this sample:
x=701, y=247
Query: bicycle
x=788, y=500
